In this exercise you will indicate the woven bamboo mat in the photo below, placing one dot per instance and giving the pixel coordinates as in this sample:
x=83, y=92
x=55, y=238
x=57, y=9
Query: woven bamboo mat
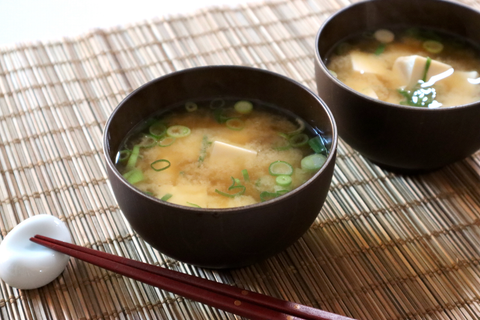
x=384, y=246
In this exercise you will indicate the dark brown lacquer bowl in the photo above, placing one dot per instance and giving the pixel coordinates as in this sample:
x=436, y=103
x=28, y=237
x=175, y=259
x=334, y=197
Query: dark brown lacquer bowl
x=400, y=138
x=220, y=238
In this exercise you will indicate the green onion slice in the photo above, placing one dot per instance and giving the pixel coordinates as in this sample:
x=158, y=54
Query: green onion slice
x=283, y=181
x=301, y=127
x=317, y=145
x=279, y=168
x=193, y=205
x=166, y=197
x=243, y=107
x=132, y=161
x=178, y=131
x=427, y=66
x=246, y=177
x=265, y=195
x=191, y=106
x=157, y=129
x=134, y=176
x=433, y=46
x=218, y=115
x=203, y=150
x=123, y=155
x=167, y=141
x=160, y=165
x=298, y=140
x=235, y=185
x=147, y=141
x=217, y=103
x=230, y=195
x=313, y=162
x=235, y=124
x=380, y=49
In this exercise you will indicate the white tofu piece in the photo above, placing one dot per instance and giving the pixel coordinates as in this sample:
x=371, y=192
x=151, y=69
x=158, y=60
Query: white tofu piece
x=368, y=91
x=366, y=63
x=411, y=68
x=185, y=195
x=222, y=151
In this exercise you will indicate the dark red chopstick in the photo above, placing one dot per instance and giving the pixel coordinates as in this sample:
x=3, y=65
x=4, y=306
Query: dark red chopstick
x=242, y=302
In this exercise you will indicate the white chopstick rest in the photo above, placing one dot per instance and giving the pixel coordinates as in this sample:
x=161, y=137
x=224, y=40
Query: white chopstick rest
x=27, y=265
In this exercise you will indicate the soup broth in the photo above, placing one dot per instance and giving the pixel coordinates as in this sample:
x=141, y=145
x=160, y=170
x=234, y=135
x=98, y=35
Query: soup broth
x=415, y=67
x=220, y=154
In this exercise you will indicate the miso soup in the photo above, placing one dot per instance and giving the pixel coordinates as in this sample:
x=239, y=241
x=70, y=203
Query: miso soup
x=221, y=153
x=414, y=67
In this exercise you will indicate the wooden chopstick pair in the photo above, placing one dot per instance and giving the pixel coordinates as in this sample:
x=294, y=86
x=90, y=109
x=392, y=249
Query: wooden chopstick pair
x=228, y=298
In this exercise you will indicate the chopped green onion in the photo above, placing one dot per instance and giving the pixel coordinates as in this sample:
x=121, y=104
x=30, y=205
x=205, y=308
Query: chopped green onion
x=166, y=197
x=217, y=103
x=132, y=161
x=191, y=106
x=283, y=181
x=147, y=141
x=427, y=66
x=218, y=115
x=333, y=73
x=178, y=131
x=433, y=46
x=246, y=177
x=279, y=167
x=235, y=185
x=281, y=192
x=193, y=205
x=235, y=124
x=167, y=141
x=317, y=145
x=300, y=128
x=157, y=130
x=380, y=49
x=203, y=150
x=313, y=162
x=156, y=168
x=133, y=176
x=230, y=195
x=123, y=155
x=265, y=195
x=243, y=107
x=298, y=140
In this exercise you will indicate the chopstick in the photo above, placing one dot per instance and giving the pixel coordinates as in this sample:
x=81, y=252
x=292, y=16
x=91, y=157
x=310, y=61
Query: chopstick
x=222, y=296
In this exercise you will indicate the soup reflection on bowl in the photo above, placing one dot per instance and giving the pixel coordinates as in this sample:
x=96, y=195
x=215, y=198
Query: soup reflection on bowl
x=402, y=80
x=220, y=166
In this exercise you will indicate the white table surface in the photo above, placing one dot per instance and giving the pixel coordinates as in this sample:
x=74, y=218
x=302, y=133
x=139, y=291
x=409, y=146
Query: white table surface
x=31, y=20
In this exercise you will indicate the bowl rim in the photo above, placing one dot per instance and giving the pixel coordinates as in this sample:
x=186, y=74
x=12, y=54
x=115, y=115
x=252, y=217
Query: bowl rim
x=214, y=211
x=324, y=68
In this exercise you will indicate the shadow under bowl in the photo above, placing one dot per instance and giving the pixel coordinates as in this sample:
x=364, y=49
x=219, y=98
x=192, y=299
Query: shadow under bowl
x=396, y=137
x=220, y=238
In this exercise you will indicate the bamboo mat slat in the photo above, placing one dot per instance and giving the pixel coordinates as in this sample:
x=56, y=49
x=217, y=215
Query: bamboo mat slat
x=384, y=246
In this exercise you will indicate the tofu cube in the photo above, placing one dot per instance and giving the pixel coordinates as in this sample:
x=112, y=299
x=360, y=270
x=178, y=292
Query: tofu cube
x=411, y=69
x=185, y=195
x=365, y=63
x=222, y=151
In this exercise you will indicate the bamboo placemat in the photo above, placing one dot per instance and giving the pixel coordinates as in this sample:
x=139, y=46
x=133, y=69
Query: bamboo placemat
x=385, y=246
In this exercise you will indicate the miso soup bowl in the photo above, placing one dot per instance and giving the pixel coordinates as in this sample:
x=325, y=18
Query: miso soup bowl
x=220, y=238
x=397, y=137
